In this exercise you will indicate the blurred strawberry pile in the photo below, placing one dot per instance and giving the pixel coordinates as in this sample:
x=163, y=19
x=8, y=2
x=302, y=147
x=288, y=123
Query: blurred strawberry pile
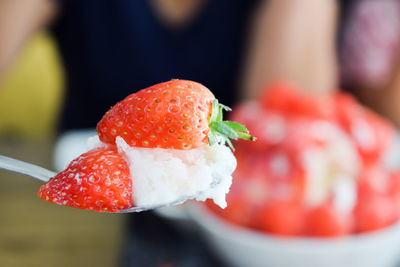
x=316, y=167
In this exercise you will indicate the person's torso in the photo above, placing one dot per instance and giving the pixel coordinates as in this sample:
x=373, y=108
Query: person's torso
x=114, y=48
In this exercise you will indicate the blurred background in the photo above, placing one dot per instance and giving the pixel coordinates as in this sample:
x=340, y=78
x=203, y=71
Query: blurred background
x=316, y=81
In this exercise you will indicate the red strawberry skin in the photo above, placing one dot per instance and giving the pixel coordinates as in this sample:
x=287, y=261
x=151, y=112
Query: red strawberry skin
x=98, y=180
x=325, y=221
x=172, y=114
x=281, y=217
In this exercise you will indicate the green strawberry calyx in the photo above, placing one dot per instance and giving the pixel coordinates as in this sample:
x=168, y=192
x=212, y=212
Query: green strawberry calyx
x=222, y=131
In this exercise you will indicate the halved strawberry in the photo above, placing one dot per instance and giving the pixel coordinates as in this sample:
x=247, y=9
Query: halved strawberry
x=177, y=114
x=98, y=180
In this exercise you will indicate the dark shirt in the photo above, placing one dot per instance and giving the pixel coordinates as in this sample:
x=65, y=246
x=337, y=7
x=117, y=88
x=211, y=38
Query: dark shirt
x=111, y=49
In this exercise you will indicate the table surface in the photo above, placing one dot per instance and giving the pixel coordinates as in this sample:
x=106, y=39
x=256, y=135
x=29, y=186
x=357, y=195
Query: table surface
x=36, y=233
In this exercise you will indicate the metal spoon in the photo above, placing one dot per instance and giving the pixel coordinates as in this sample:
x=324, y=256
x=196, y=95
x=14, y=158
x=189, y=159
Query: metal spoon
x=44, y=175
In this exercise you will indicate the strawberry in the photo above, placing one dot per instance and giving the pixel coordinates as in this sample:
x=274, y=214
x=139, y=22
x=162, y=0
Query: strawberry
x=325, y=221
x=373, y=180
x=98, y=180
x=177, y=114
x=281, y=217
x=371, y=133
x=269, y=127
x=373, y=213
x=288, y=100
x=239, y=211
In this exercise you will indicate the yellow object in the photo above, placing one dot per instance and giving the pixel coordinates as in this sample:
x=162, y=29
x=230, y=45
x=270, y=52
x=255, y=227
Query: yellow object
x=32, y=90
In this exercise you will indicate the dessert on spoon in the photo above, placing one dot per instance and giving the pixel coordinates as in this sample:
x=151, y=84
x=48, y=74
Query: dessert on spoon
x=160, y=146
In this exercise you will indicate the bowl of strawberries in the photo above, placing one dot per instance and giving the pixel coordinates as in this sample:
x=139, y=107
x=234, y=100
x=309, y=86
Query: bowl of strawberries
x=313, y=190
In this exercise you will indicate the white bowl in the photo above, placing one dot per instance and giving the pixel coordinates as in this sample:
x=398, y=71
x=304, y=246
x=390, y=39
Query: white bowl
x=243, y=247
x=69, y=146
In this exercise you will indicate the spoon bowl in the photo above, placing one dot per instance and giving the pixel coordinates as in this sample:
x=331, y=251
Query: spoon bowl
x=44, y=175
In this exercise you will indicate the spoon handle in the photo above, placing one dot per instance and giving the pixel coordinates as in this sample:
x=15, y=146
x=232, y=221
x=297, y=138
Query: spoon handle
x=26, y=168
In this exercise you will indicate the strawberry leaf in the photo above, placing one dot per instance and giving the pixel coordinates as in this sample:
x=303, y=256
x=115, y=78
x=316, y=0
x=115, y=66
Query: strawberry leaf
x=220, y=115
x=228, y=141
x=236, y=126
x=215, y=111
x=246, y=136
x=222, y=131
x=226, y=108
x=212, y=138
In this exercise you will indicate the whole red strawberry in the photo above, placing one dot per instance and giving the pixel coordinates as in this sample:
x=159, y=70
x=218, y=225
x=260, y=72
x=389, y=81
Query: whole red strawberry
x=177, y=114
x=98, y=180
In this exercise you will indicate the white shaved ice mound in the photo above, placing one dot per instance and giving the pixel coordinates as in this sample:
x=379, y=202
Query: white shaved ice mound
x=332, y=168
x=162, y=176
